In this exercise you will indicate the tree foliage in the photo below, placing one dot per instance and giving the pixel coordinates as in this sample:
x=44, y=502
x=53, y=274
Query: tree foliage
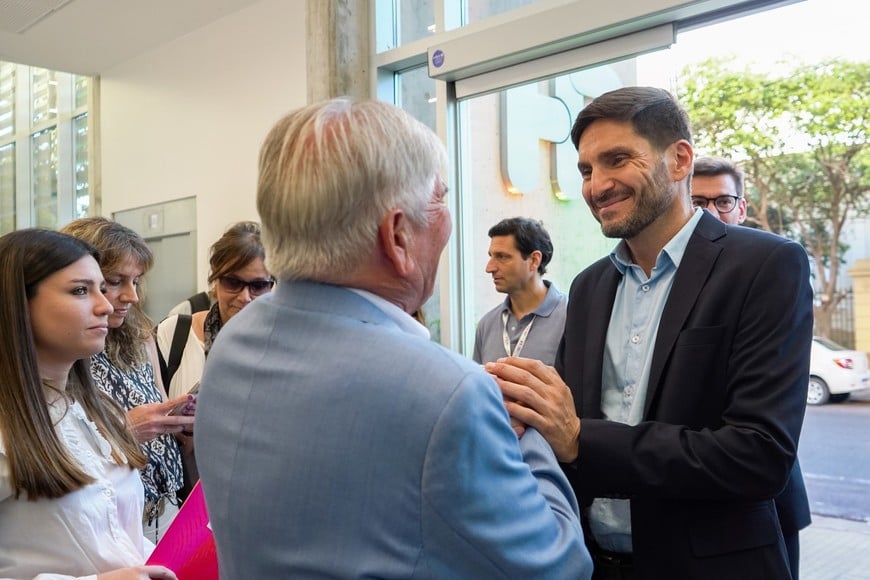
x=801, y=135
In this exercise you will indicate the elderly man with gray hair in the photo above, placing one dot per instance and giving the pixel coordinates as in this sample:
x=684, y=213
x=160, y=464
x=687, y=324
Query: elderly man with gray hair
x=335, y=439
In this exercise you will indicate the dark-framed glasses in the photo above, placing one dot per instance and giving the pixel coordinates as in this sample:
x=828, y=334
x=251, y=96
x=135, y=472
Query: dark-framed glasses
x=723, y=203
x=234, y=285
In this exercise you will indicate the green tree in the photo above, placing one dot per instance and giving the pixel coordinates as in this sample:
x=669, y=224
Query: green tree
x=801, y=135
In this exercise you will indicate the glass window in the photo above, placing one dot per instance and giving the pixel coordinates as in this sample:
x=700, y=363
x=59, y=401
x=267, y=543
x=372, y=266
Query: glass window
x=400, y=22
x=416, y=94
x=416, y=20
x=482, y=9
x=44, y=175
x=517, y=159
x=81, y=92
x=43, y=94
x=80, y=166
x=7, y=100
x=7, y=188
x=44, y=156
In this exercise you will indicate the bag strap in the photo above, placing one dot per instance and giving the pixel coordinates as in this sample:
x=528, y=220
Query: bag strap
x=176, y=349
x=199, y=302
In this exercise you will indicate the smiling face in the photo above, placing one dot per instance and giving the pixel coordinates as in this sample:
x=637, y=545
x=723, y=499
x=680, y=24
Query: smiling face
x=122, y=289
x=69, y=314
x=626, y=182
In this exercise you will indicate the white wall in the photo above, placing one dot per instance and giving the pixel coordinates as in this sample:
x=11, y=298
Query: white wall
x=188, y=118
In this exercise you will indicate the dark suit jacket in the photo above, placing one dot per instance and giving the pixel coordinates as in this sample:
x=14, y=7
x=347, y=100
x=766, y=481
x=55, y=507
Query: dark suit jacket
x=724, y=407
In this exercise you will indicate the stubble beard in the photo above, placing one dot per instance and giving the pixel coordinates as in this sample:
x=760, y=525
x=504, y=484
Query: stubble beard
x=650, y=204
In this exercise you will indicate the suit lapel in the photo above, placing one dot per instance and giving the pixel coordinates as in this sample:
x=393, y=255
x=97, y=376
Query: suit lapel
x=599, y=312
x=694, y=270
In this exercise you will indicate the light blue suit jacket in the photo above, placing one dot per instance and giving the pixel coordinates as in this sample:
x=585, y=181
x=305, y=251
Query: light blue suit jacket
x=333, y=444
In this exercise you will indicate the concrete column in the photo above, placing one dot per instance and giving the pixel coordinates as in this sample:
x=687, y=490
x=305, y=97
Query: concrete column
x=860, y=274
x=338, y=49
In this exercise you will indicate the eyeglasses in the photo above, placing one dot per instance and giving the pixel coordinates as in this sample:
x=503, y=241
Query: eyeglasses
x=255, y=287
x=723, y=203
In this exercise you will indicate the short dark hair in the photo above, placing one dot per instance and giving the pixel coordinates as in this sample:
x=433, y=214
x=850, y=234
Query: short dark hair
x=714, y=166
x=530, y=235
x=654, y=114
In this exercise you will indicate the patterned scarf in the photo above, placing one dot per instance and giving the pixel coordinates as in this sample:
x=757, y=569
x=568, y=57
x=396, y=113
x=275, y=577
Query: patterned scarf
x=211, y=326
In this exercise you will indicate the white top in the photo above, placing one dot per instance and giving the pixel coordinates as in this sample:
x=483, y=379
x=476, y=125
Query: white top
x=192, y=361
x=92, y=530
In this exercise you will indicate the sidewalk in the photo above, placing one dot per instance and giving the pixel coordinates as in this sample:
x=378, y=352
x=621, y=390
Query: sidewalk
x=835, y=549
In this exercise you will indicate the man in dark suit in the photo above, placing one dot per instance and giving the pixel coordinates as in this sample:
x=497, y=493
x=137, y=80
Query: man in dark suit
x=679, y=388
x=717, y=185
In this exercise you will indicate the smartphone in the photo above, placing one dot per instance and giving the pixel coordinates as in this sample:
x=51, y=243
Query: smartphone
x=179, y=409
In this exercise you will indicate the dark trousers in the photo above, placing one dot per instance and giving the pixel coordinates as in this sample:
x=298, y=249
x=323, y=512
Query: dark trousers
x=612, y=565
x=615, y=566
x=792, y=548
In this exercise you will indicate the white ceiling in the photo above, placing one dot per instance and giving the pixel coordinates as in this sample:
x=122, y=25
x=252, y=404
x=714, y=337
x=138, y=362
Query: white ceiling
x=91, y=36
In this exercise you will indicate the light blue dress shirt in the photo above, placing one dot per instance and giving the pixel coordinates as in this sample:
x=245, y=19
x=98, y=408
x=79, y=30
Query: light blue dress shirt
x=631, y=336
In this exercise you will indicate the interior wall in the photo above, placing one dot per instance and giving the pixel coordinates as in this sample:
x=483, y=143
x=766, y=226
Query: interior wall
x=188, y=118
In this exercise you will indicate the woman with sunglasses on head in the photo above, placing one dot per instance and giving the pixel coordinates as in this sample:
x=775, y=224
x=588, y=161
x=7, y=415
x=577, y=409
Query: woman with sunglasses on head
x=127, y=369
x=70, y=494
x=237, y=276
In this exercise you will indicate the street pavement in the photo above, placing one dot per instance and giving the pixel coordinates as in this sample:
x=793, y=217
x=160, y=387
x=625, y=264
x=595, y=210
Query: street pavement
x=835, y=549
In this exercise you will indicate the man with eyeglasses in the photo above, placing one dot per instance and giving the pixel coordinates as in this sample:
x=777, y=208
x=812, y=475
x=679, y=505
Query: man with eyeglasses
x=717, y=186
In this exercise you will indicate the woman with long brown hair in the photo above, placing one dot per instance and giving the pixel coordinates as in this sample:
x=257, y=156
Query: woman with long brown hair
x=70, y=493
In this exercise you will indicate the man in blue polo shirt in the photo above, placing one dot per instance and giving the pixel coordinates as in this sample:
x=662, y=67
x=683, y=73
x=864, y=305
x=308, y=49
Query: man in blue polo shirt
x=531, y=319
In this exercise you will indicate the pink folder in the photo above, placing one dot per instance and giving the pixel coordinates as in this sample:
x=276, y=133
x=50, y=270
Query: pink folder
x=187, y=547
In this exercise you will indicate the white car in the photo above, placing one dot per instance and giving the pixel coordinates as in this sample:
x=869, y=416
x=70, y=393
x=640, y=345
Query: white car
x=835, y=372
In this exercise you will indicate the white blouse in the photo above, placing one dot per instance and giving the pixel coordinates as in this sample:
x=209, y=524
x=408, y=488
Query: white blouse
x=192, y=361
x=92, y=530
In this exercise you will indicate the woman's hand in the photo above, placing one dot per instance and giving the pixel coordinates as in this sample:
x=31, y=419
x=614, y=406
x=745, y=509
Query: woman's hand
x=154, y=419
x=139, y=573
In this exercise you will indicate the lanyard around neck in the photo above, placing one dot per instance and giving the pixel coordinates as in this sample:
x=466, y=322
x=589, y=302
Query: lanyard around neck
x=523, y=335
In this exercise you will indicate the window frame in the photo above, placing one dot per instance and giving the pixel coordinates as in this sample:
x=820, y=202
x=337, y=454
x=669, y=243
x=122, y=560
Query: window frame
x=531, y=36
x=63, y=120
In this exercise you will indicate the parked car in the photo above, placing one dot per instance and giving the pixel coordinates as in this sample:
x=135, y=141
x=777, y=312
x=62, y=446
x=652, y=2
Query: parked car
x=835, y=372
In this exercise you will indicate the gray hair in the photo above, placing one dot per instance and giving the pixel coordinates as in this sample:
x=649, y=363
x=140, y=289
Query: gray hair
x=330, y=172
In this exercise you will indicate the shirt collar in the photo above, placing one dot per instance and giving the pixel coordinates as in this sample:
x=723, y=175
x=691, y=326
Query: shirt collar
x=547, y=305
x=674, y=249
x=404, y=320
